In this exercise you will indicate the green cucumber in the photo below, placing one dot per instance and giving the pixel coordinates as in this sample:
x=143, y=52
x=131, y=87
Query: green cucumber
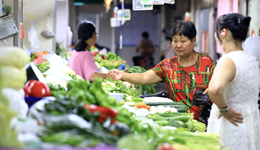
x=183, y=118
x=181, y=109
x=162, y=123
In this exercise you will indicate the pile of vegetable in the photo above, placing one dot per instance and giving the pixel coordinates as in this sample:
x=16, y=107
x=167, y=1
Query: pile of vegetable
x=119, y=86
x=109, y=60
x=12, y=79
x=55, y=73
x=142, y=89
x=76, y=124
x=99, y=113
x=62, y=51
x=8, y=138
x=149, y=136
x=84, y=91
x=43, y=67
x=177, y=120
x=98, y=118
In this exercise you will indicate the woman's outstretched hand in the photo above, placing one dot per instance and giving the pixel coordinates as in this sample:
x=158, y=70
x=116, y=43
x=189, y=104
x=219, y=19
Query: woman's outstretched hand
x=232, y=116
x=115, y=75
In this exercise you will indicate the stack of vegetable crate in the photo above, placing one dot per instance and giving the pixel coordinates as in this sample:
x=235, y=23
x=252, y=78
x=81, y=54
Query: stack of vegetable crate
x=158, y=101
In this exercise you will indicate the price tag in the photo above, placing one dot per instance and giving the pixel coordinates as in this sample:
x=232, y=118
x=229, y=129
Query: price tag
x=137, y=5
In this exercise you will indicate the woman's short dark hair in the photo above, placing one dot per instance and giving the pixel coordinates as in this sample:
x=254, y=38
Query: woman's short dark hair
x=236, y=23
x=185, y=28
x=85, y=31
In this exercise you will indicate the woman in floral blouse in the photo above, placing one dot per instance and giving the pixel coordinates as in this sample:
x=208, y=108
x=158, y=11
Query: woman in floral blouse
x=183, y=74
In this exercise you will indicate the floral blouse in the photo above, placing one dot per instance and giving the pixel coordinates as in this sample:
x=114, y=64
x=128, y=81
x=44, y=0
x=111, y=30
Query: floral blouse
x=181, y=82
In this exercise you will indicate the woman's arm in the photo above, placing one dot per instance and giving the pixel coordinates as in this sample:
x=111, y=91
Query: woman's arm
x=148, y=77
x=97, y=74
x=224, y=73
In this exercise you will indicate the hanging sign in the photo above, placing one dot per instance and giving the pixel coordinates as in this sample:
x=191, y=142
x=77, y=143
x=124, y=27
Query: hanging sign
x=125, y=15
x=137, y=5
x=114, y=22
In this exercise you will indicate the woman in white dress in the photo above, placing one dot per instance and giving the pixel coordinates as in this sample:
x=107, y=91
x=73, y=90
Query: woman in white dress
x=234, y=87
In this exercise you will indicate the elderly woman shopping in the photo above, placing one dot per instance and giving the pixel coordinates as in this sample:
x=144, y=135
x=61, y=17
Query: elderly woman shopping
x=182, y=74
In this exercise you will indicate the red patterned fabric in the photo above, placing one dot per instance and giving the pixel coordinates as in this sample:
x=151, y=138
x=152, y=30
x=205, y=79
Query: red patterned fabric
x=181, y=82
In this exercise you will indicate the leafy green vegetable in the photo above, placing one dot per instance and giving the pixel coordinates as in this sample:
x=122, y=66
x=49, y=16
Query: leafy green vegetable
x=142, y=89
x=43, y=66
x=63, y=138
x=61, y=51
x=73, y=76
x=7, y=9
x=118, y=87
x=85, y=92
x=71, y=134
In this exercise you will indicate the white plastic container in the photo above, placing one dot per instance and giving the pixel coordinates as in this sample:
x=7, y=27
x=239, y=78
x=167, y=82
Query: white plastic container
x=118, y=96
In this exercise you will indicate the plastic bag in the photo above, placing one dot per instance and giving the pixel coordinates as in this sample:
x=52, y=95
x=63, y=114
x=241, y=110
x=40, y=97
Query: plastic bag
x=48, y=33
x=33, y=37
x=16, y=101
x=56, y=60
x=57, y=67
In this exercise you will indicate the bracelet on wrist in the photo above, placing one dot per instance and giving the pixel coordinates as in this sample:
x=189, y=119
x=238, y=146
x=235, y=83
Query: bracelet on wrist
x=222, y=110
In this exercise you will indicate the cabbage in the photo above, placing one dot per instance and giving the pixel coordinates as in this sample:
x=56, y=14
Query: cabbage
x=13, y=77
x=13, y=56
x=8, y=138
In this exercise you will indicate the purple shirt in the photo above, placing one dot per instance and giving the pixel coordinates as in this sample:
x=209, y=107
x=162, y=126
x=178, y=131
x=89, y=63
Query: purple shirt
x=83, y=64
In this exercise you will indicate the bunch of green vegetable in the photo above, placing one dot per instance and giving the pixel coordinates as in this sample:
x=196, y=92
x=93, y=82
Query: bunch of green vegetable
x=61, y=51
x=43, y=66
x=109, y=60
x=65, y=132
x=84, y=91
x=118, y=87
x=142, y=89
x=113, y=56
x=171, y=119
x=155, y=135
x=184, y=120
x=7, y=9
x=194, y=125
x=109, y=64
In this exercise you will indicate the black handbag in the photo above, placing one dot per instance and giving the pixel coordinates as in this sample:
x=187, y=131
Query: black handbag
x=200, y=99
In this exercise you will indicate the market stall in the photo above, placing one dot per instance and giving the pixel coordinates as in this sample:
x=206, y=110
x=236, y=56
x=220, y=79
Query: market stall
x=59, y=110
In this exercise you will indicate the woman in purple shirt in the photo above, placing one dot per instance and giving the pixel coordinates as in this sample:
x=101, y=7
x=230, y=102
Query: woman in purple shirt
x=82, y=60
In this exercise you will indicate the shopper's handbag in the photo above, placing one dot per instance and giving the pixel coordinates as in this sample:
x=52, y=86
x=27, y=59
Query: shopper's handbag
x=200, y=99
x=203, y=100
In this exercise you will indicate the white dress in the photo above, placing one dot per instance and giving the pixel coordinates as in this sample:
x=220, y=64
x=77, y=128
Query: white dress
x=242, y=95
